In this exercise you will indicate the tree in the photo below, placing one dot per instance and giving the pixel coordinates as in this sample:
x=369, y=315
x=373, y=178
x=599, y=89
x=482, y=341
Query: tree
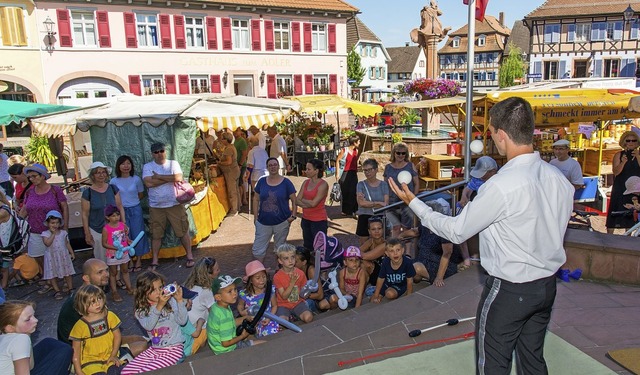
x=355, y=71
x=512, y=68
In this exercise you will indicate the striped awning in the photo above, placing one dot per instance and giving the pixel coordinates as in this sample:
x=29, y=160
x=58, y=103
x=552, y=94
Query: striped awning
x=218, y=115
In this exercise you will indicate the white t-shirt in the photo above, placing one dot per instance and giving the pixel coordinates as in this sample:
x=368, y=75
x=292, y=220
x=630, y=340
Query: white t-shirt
x=278, y=146
x=201, y=304
x=571, y=169
x=258, y=158
x=262, y=139
x=162, y=196
x=128, y=187
x=14, y=346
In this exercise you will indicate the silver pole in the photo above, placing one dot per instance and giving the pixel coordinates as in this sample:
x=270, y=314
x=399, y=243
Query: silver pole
x=424, y=194
x=469, y=97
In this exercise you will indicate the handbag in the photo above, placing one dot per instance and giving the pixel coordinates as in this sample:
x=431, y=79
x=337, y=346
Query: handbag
x=184, y=191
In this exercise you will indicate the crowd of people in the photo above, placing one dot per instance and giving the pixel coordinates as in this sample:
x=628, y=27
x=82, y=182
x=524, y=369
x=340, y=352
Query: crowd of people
x=415, y=242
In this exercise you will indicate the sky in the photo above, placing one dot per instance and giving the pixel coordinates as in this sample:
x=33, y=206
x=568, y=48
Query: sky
x=393, y=24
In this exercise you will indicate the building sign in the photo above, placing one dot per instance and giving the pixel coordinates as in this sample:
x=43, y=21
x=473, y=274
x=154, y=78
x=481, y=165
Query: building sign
x=242, y=62
x=534, y=75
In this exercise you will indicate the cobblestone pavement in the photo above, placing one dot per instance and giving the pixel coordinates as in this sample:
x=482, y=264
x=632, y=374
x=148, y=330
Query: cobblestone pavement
x=230, y=245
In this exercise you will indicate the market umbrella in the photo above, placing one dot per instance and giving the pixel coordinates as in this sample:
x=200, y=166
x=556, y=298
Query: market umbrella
x=334, y=103
x=16, y=112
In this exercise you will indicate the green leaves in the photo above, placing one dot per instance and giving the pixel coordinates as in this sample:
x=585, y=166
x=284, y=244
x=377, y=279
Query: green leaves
x=512, y=68
x=355, y=71
x=38, y=151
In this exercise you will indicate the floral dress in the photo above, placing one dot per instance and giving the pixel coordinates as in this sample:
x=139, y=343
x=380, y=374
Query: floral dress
x=57, y=261
x=262, y=329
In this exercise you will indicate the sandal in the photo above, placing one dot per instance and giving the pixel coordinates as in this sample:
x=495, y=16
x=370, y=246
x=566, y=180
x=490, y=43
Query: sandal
x=121, y=284
x=58, y=295
x=463, y=267
x=45, y=289
x=190, y=263
x=153, y=267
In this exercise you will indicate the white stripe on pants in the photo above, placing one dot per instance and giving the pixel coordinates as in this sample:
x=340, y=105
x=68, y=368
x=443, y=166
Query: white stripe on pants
x=154, y=358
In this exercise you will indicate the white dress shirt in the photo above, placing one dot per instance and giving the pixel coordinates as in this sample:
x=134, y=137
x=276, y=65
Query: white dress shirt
x=521, y=214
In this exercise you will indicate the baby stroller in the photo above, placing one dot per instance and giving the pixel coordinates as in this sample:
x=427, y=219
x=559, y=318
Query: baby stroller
x=329, y=256
x=14, y=234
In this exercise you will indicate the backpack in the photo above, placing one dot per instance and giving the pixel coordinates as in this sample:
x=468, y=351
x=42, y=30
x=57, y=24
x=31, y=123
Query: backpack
x=18, y=236
x=336, y=193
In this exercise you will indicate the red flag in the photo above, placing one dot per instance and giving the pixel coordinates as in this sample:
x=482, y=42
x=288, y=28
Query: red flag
x=481, y=7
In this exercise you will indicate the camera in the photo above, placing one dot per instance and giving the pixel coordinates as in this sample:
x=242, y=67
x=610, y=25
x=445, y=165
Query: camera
x=169, y=289
x=629, y=154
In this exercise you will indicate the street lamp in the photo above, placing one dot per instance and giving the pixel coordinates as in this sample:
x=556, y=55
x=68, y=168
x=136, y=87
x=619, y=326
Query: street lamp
x=262, y=79
x=629, y=14
x=225, y=77
x=48, y=25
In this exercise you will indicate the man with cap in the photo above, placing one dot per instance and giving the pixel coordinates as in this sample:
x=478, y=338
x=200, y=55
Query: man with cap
x=94, y=272
x=159, y=177
x=569, y=166
x=484, y=168
x=521, y=214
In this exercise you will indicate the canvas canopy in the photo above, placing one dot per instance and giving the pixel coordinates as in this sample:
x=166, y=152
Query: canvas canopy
x=334, y=103
x=16, y=112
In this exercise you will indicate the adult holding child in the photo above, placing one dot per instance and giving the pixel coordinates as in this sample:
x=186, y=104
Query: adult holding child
x=520, y=261
x=39, y=200
x=311, y=198
x=94, y=200
x=272, y=215
x=626, y=163
x=371, y=193
x=402, y=216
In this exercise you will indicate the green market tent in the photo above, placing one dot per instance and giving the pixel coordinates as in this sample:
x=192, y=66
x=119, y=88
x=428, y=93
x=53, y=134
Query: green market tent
x=16, y=112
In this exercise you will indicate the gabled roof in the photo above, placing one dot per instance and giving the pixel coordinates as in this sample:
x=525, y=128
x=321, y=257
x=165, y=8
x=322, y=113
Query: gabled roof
x=403, y=59
x=490, y=25
x=520, y=37
x=358, y=31
x=573, y=8
x=332, y=5
x=494, y=31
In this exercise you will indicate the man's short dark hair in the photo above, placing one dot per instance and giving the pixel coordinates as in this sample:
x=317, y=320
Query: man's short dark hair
x=515, y=117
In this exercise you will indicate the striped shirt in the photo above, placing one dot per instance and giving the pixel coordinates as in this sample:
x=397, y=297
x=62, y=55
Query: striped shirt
x=221, y=326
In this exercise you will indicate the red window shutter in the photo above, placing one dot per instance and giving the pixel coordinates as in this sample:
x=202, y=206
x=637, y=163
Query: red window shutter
x=64, y=28
x=271, y=86
x=297, y=84
x=332, y=37
x=178, y=27
x=308, y=84
x=255, y=35
x=165, y=31
x=215, y=84
x=227, y=44
x=306, y=30
x=295, y=36
x=130, y=30
x=333, y=83
x=183, y=83
x=212, y=33
x=170, y=83
x=268, y=36
x=104, y=35
x=134, y=85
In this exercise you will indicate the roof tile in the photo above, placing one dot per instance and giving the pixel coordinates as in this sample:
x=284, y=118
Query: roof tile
x=403, y=59
x=357, y=30
x=324, y=5
x=557, y=8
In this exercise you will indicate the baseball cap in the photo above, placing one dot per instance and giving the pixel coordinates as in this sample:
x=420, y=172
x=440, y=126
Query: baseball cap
x=157, y=146
x=352, y=251
x=224, y=281
x=561, y=143
x=483, y=165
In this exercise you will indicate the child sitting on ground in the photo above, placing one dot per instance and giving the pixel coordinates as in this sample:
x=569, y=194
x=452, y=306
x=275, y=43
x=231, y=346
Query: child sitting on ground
x=372, y=250
x=289, y=281
x=96, y=337
x=115, y=233
x=221, y=325
x=199, y=281
x=253, y=294
x=396, y=273
x=161, y=313
x=352, y=279
x=306, y=263
x=58, y=255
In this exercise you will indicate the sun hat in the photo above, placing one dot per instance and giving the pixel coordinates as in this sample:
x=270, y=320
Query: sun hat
x=560, y=143
x=38, y=168
x=352, y=251
x=624, y=136
x=483, y=165
x=157, y=146
x=224, y=281
x=110, y=210
x=632, y=184
x=253, y=267
x=53, y=213
x=98, y=164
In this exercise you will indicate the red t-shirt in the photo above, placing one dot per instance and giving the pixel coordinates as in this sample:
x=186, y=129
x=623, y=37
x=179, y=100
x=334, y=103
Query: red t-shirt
x=281, y=280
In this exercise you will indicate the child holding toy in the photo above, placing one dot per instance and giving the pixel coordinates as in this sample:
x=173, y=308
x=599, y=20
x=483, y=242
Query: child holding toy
x=116, y=233
x=352, y=279
x=396, y=273
x=254, y=293
x=289, y=281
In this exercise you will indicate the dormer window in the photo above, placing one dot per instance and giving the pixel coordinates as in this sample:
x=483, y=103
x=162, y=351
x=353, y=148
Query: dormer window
x=482, y=40
x=456, y=42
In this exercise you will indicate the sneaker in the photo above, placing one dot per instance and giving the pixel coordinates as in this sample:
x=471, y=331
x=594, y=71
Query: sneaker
x=576, y=274
x=563, y=275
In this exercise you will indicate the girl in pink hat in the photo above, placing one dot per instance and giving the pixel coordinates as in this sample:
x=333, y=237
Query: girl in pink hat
x=253, y=294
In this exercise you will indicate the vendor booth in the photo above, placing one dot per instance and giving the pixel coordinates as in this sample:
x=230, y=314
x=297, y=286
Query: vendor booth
x=130, y=124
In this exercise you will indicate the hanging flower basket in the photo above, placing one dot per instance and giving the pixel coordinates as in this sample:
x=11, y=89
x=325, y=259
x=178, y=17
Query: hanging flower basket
x=429, y=88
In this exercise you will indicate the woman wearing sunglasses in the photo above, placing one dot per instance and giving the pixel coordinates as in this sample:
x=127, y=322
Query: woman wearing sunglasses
x=371, y=193
x=626, y=163
x=402, y=216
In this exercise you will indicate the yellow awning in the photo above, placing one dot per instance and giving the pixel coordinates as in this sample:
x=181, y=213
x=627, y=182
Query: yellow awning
x=333, y=103
x=575, y=105
x=244, y=122
x=434, y=103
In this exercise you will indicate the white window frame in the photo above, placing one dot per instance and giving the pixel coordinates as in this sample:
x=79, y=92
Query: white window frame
x=583, y=32
x=319, y=37
x=602, y=32
x=281, y=35
x=554, y=31
x=548, y=68
x=152, y=85
x=284, y=85
x=85, y=22
x=456, y=42
x=320, y=81
x=194, y=32
x=199, y=84
x=374, y=51
x=613, y=70
x=482, y=40
x=240, y=34
x=147, y=30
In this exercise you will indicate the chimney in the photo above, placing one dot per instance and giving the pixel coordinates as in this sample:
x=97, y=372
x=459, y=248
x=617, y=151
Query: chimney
x=406, y=44
x=501, y=18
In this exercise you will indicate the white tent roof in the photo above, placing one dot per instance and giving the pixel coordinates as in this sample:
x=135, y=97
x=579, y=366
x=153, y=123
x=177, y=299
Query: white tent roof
x=208, y=110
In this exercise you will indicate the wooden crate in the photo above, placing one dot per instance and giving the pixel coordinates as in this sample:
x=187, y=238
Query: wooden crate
x=590, y=162
x=436, y=162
